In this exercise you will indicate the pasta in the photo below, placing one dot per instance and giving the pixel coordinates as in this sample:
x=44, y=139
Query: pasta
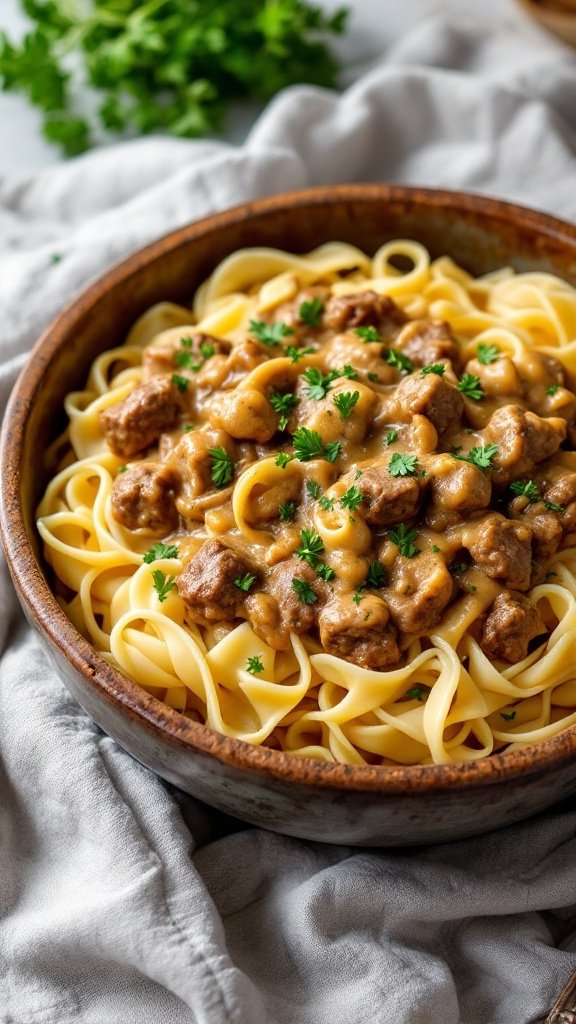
x=337, y=366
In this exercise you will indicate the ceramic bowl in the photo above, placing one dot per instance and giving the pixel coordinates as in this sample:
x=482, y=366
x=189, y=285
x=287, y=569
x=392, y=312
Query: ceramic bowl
x=302, y=797
x=559, y=18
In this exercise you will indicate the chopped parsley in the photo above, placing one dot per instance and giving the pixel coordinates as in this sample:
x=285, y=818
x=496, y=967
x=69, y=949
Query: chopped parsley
x=552, y=389
x=184, y=359
x=186, y=342
x=297, y=353
x=163, y=584
x=458, y=567
x=376, y=575
x=345, y=403
x=327, y=503
x=310, y=312
x=416, y=692
x=357, y=597
x=123, y=469
x=526, y=489
x=332, y=451
x=222, y=467
x=311, y=547
x=282, y=459
x=325, y=572
x=160, y=550
x=308, y=444
x=368, y=334
x=438, y=368
x=188, y=427
x=180, y=382
x=245, y=582
x=470, y=386
x=283, y=405
x=351, y=498
x=404, y=539
x=314, y=489
x=508, y=716
x=287, y=510
x=318, y=383
x=436, y=550
x=553, y=507
x=206, y=349
x=480, y=456
x=402, y=465
x=373, y=377
x=390, y=437
x=270, y=334
x=305, y=592
x=487, y=354
x=349, y=372
x=399, y=361
x=254, y=665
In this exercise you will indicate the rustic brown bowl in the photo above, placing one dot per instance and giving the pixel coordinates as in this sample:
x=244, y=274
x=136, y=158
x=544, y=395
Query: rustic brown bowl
x=560, y=20
x=316, y=800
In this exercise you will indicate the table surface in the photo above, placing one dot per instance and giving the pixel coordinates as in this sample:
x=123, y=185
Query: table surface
x=374, y=26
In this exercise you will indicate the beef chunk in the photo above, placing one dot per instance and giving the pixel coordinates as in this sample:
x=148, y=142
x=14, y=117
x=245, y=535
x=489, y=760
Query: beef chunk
x=433, y=397
x=511, y=623
x=160, y=356
x=359, y=633
x=419, y=590
x=558, y=484
x=364, y=309
x=502, y=549
x=279, y=611
x=137, y=422
x=245, y=413
x=207, y=583
x=387, y=499
x=457, y=488
x=546, y=530
x=143, y=498
x=523, y=439
x=428, y=341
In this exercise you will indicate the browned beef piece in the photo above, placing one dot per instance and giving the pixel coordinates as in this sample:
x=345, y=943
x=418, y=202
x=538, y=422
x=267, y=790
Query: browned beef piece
x=511, y=623
x=523, y=440
x=433, y=397
x=387, y=499
x=502, y=548
x=207, y=583
x=137, y=422
x=418, y=592
x=363, y=309
x=457, y=488
x=546, y=530
x=143, y=498
x=279, y=611
x=360, y=633
x=558, y=485
x=161, y=355
x=244, y=413
x=428, y=341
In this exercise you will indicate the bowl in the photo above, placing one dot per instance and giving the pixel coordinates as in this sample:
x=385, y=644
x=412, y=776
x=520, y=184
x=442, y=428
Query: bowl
x=298, y=796
x=560, y=18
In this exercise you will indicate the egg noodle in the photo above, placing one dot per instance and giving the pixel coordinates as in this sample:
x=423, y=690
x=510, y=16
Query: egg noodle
x=306, y=701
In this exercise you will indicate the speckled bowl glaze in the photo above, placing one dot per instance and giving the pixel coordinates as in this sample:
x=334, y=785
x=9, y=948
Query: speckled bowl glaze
x=302, y=797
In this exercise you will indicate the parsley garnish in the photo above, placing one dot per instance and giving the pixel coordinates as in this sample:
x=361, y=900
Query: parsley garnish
x=270, y=334
x=188, y=427
x=308, y=444
x=376, y=575
x=470, y=386
x=313, y=488
x=283, y=405
x=404, y=539
x=286, y=510
x=254, y=665
x=332, y=451
x=311, y=547
x=160, y=550
x=487, y=354
x=185, y=360
x=325, y=572
x=508, y=716
x=206, y=349
x=282, y=459
x=123, y=469
x=327, y=503
x=403, y=465
x=391, y=437
x=480, y=456
x=368, y=334
x=180, y=382
x=319, y=384
x=437, y=368
x=552, y=389
x=186, y=342
x=553, y=507
x=345, y=403
x=373, y=377
x=310, y=312
x=245, y=582
x=304, y=591
x=436, y=550
x=222, y=468
x=297, y=353
x=349, y=372
x=416, y=692
x=351, y=498
x=163, y=584
x=399, y=361
x=526, y=489
x=357, y=598
x=458, y=567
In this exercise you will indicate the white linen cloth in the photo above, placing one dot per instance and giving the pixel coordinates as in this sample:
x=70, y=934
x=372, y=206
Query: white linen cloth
x=124, y=902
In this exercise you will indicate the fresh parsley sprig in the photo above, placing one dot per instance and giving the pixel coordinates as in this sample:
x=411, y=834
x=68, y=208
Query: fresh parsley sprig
x=345, y=403
x=403, y=465
x=160, y=550
x=437, y=368
x=399, y=361
x=254, y=665
x=404, y=539
x=287, y=510
x=222, y=467
x=310, y=312
x=163, y=584
x=352, y=498
x=245, y=582
x=311, y=547
x=306, y=593
x=469, y=386
x=487, y=354
x=270, y=334
x=283, y=405
x=481, y=455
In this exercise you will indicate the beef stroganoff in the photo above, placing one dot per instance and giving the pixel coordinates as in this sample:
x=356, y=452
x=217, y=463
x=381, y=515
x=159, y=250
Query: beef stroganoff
x=333, y=508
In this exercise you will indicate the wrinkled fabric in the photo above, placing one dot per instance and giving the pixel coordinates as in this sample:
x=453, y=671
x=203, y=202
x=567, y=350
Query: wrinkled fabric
x=123, y=901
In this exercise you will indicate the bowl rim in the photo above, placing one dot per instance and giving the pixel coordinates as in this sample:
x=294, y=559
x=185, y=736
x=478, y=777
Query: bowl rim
x=134, y=702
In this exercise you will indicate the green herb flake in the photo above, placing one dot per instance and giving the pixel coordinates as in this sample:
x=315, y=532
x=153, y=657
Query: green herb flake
x=327, y=504
x=206, y=349
x=552, y=389
x=55, y=258
x=245, y=582
x=332, y=451
x=186, y=361
x=304, y=591
x=222, y=467
x=180, y=382
x=318, y=383
x=435, y=549
x=391, y=436
x=374, y=377
x=254, y=665
x=160, y=550
x=403, y=465
x=458, y=567
x=357, y=598
x=348, y=371
x=308, y=444
x=282, y=459
x=368, y=334
x=310, y=312
x=508, y=716
x=416, y=692
x=526, y=489
x=553, y=507
x=123, y=469
x=404, y=539
x=287, y=510
x=325, y=572
x=469, y=386
x=487, y=354
x=311, y=547
x=283, y=405
x=437, y=368
x=163, y=584
x=376, y=575
x=188, y=427
x=480, y=456
x=351, y=498
x=270, y=334
x=399, y=361
x=314, y=489
x=345, y=403
x=297, y=353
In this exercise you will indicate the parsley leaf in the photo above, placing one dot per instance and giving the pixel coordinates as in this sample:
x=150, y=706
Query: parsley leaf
x=286, y=510
x=184, y=359
x=399, y=361
x=376, y=575
x=222, y=467
x=480, y=456
x=357, y=598
x=526, y=489
x=270, y=334
x=304, y=591
x=487, y=354
x=245, y=582
x=180, y=382
x=325, y=572
x=308, y=444
x=254, y=665
x=163, y=584
x=368, y=334
x=319, y=384
x=373, y=377
x=297, y=353
x=469, y=385
x=345, y=403
x=313, y=488
x=311, y=547
x=553, y=507
x=351, y=498
x=283, y=405
x=437, y=368
x=390, y=437
x=403, y=465
x=404, y=539
x=310, y=312
x=327, y=504
x=349, y=372
x=160, y=550
x=332, y=451
x=416, y=692
x=552, y=389
x=282, y=459
x=508, y=716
